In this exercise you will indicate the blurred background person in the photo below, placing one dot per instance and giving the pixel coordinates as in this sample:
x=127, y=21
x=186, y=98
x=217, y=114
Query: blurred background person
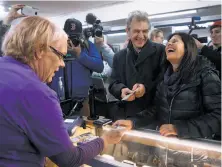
x=174, y=113
x=86, y=60
x=107, y=55
x=32, y=126
x=157, y=36
x=213, y=52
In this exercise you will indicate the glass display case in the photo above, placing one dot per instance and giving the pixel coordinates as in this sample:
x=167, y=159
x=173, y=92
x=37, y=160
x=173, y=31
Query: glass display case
x=146, y=148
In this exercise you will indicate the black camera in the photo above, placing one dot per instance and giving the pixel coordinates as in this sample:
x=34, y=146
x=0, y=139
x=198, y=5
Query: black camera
x=73, y=28
x=193, y=26
x=200, y=39
x=96, y=29
x=75, y=40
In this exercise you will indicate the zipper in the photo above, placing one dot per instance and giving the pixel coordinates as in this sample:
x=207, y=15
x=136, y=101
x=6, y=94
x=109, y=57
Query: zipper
x=183, y=87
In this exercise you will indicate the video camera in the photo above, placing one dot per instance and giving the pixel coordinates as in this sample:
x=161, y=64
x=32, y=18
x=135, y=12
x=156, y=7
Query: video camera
x=73, y=28
x=193, y=26
x=96, y=29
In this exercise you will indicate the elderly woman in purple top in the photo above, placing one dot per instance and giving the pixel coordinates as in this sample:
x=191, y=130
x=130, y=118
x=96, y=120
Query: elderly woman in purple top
x=31, y=123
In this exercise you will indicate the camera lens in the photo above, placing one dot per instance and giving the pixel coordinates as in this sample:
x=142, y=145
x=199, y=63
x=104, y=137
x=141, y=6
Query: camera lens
x=98, y=33
x=75, y=42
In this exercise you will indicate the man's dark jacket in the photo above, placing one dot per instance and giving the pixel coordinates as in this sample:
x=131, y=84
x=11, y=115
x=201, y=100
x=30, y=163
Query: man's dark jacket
x=130, y=68
x=214, y=55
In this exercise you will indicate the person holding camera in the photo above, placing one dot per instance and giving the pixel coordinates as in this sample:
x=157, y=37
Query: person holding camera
x=87, y=60
x=5, y=24
x=32, y=126
x=107, y=55
x=213, y=53
x=105, y=49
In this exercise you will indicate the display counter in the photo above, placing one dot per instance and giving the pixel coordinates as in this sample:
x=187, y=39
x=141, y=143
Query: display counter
x=146, y=148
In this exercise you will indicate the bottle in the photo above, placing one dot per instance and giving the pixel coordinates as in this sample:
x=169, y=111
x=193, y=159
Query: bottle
x=61, y=92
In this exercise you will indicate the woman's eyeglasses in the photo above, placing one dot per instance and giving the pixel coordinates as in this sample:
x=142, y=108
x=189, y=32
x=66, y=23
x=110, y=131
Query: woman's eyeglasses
x=58, y=53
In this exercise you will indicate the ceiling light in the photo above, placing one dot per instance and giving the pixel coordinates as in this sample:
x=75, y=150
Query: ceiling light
x=117, y=34
x=180, y=28
x=205, y=24
x=172, y=14
x=2, y=9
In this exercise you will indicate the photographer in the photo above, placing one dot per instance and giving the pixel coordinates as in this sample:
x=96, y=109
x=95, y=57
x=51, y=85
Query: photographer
x=105, y=49
x=107, y=54
x=87, y=60
x=5, y=24
x=213, y=53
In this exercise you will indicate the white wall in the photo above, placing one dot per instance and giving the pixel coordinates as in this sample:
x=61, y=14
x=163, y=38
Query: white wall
x=120, y=11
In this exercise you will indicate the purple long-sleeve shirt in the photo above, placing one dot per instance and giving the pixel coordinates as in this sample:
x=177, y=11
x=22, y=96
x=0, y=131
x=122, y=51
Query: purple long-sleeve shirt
x=31, y=123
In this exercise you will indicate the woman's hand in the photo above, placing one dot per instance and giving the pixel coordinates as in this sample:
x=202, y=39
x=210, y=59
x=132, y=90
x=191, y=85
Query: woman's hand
x=168, y=130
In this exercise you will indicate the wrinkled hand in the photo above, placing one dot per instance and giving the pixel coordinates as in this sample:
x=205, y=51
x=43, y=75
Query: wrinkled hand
x=13, y=14
x=112, y=136
x=77, y=49
x=126, y=123
x=168, y=130
x=199, y=45
x=139, y=90
x=125, y=92
x=99, y=40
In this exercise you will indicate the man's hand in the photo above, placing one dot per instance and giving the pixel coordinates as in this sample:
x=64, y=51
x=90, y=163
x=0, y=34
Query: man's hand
x=125, y=92
x=168, y=130
x=76, y=49
x=13, y=14
x=126, y=123
x=139, y=90
x=199, y=45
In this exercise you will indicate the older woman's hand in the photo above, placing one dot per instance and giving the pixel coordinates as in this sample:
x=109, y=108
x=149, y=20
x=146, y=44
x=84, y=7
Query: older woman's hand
x=128, y=124
x=13, y=14
x=168, y=130
x=113, y=136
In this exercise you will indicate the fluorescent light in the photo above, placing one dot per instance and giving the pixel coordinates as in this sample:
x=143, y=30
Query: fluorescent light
x=172, y=14
x=117, y=34
x=205, y=24
x=2, y=12
x=180, y=28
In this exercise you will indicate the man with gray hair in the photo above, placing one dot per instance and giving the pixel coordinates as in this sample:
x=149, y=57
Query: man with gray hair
x=136, y=69
x=156, y=35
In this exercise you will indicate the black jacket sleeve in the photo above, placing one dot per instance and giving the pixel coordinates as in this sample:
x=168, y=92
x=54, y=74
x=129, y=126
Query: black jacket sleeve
x=209, y=123
x=147, y=118
x=213, y=55
x=144, y=118
x=116, y=85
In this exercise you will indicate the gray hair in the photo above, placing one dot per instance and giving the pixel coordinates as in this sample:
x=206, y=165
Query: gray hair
x=155, y=33
x=139, y=16
x=34, y=31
